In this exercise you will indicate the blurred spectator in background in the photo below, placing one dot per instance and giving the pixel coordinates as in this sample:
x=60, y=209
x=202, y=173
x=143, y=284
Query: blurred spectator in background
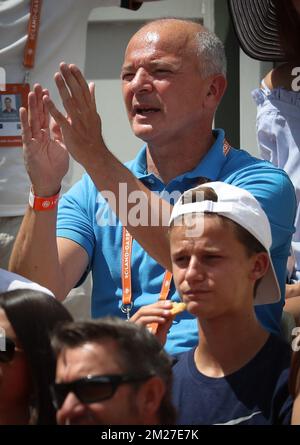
x=27, y=363
x=269, y=30
x=111, y=372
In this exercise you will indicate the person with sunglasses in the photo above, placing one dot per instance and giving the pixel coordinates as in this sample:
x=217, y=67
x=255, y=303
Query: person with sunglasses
x=27, y=364
x=111, y=372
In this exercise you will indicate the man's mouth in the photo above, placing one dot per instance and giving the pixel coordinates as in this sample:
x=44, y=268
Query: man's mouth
x=145, y=111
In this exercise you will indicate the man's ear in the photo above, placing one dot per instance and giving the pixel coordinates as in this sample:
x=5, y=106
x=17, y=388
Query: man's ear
x=216, y=88
x=149, y=399
x=260, y=265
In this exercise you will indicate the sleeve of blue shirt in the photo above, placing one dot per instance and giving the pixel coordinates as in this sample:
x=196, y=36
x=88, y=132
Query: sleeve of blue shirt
x=75, y=218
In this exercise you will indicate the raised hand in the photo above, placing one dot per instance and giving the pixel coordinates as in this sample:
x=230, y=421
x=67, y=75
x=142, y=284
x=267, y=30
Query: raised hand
x=81, y=131
x=46, y=159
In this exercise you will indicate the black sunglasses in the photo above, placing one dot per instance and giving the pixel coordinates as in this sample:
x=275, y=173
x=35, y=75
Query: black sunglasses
x=7, y=350
x=91, y=389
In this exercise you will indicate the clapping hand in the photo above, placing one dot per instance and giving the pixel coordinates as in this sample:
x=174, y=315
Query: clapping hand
x=81, y=130
x=46, y=158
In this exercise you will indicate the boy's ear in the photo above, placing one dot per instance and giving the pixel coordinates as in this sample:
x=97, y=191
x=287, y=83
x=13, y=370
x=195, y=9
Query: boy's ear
x=261, y=264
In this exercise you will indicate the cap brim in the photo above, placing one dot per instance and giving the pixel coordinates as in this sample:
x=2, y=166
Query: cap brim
x=256, y=27
x=268, y=290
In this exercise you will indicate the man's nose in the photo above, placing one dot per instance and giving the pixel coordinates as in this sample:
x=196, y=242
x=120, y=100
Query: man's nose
x=71, y=409
x=142, y=81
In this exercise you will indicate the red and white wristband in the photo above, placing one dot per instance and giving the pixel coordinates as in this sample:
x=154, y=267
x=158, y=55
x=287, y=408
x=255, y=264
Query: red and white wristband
x=39, y=203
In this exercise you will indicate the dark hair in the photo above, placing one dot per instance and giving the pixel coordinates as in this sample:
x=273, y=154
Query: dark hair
x=289, y=28
x=294, y=377
x=139, y=352
x=33, y=315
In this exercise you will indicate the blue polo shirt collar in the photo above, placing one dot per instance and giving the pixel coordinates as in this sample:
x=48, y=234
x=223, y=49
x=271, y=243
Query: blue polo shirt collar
x=210, y=166
x=212, y=163
x=138, y=165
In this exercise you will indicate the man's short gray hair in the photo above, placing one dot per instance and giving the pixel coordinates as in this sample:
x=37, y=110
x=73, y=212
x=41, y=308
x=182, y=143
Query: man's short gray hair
x=211, y=53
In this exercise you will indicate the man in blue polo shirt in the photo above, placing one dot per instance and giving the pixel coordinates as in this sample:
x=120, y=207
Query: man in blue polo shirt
x=173, y=79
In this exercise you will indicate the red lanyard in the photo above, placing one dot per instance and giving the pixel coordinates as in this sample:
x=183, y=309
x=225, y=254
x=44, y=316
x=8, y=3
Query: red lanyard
x=33, y=30
x=127, y=303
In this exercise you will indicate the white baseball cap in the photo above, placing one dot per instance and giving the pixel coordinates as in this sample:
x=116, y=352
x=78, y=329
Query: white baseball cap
x=241, y=207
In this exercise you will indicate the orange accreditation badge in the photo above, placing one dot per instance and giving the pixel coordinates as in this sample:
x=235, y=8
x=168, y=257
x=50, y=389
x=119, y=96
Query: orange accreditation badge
x=14, y=95
x=11, y=99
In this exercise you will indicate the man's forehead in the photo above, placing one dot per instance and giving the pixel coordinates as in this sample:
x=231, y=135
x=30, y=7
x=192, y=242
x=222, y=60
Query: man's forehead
x=73, y=355
x=171, y=27
x=88, y=358
x=168, y=37
x=157, y=52
x=152, y=58
x=152, y=36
